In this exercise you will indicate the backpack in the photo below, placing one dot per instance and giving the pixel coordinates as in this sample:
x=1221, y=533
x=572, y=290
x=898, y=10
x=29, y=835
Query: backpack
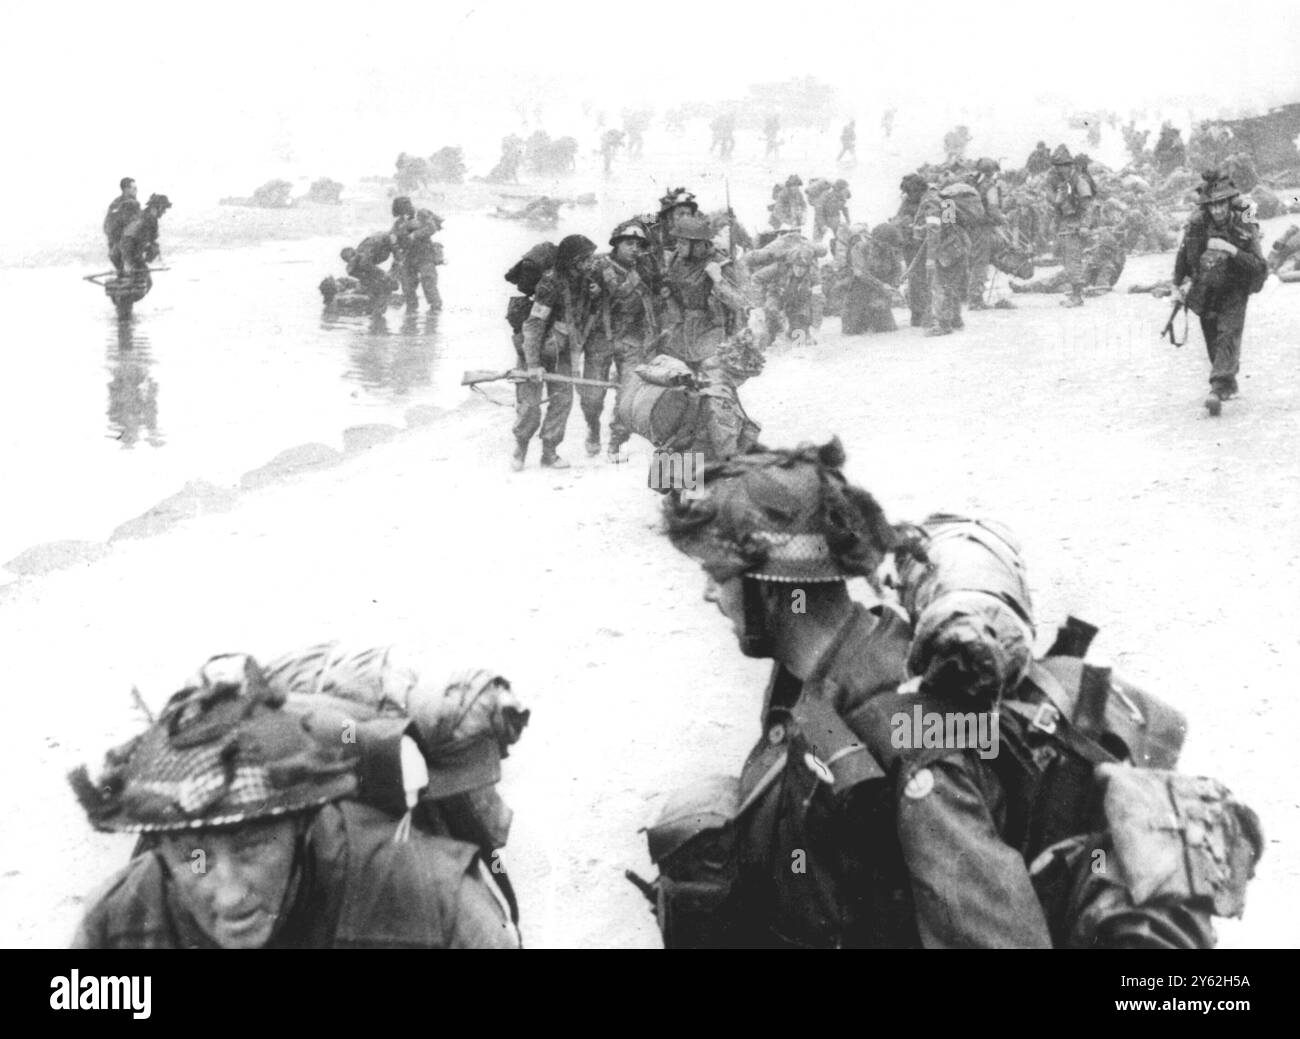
x=526, y=274
x=967, y=204
x=817, y=187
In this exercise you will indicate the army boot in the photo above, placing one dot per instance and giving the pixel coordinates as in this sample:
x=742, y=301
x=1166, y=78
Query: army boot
x=1075, y=299
x=615, y=453
x=1213, y=403
x=1004, y=304
x=938, y=330
x=551, y=460
x=593, y=441
x=521, y=452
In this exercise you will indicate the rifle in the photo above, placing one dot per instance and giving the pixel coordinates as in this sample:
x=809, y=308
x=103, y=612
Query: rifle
x=519, y=375
x=1168, y=330
x=731, y=226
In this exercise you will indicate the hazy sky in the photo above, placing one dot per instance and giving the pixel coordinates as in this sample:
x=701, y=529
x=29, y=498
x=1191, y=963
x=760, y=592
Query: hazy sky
x=93, y=88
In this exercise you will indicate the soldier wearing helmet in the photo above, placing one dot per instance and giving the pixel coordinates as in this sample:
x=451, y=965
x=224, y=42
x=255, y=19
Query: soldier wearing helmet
x=1220, y=263
x=989, y=185
x=251, y=838
x=790, y=207
x=871, y=273
x=554, y=331
x=418, y=255
x=886, y=839
x=913, y=188
x=138, y=245
x=847, y=829
x=831, y=209
x=1071, y=192
x=624, y=330
x=121, y=211
x=703, y=320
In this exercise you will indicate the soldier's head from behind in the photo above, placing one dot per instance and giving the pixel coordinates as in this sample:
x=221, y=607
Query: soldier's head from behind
x=127, y=186
x=223, y=785
x=694, y=237
x=779, y=533
x=628, y=242
x=158, y=204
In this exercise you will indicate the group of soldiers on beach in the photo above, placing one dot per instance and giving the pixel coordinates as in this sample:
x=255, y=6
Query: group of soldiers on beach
x=872, y=810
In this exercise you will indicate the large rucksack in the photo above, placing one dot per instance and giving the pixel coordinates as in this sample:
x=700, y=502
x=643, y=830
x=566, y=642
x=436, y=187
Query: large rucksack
x=817, y=187
x=525, y=274
x=967, y=205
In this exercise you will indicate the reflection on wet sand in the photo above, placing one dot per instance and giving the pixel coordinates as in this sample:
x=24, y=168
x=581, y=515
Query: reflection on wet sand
x=382, y=359
x=132, y=390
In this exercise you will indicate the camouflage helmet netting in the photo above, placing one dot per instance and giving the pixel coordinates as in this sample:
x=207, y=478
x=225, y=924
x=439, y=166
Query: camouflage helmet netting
x=222, y=752
x=783, y=515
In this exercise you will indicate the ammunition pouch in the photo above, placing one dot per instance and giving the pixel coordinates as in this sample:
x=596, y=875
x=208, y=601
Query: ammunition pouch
x=517, y=313
x=1180, y=839
x=694, y=845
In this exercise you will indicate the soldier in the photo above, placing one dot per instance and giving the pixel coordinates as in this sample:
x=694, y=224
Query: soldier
x=610, y=143
x=947, y=255
x=364, y=264
x=705, y=311
x=1040, y=159
x=792, y=293
x=1219, y=265
x=121, y=211
x=831, y=209
x=790, y=206
x=872, y=271
x=890, y=848
x=913, y=188
x=138, y=245
x=419, y=257
x=772, y=135
x=676, y=205
x=555, y=328
x=1071, y=193
x=847, y=828
x=623, y=333
x=1103, y=263
x=251, y=839
x=849, y=140
x=989, y=185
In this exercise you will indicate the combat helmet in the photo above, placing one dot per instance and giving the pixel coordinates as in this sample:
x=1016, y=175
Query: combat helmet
x=889, y=234
x=794, y=181
x=678, y=197
x=781, y=515
x=572, y=249
x=693, y=229
x=1062, y=157
x=987, y=165
x=431, y=216
x=224, y=751
x=629, y=230
x=1217, y=186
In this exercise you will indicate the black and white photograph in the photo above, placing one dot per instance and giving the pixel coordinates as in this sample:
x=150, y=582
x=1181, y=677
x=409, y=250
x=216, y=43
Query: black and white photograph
x=604, y=476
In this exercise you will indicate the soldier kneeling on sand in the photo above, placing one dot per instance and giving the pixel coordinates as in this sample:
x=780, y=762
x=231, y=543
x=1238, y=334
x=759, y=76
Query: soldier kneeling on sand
x=254, y=835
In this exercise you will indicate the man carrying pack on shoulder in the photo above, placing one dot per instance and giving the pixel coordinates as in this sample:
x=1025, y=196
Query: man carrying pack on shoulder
x=556, y=328
x=252, y=839
x=947, y=257
x=1219, y=265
